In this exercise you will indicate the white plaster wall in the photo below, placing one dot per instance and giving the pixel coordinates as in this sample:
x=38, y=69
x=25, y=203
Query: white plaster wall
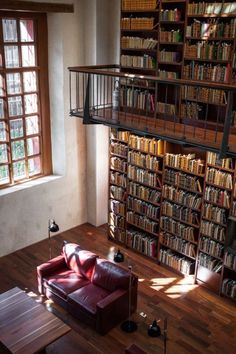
x=24, y=213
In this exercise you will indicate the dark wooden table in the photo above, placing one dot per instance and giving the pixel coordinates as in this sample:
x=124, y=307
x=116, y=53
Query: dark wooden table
x=25, y=325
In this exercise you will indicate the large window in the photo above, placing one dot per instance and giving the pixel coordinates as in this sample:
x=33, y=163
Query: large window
x=24, y=105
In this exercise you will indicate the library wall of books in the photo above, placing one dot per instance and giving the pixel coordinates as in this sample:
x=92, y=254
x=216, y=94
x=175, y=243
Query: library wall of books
x=172, y=203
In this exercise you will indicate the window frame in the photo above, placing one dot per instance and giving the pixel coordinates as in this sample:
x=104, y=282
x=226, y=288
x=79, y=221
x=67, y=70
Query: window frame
x=41, y=67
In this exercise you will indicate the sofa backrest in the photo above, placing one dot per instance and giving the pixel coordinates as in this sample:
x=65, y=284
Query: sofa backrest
x=110, y=276
x=80, y=261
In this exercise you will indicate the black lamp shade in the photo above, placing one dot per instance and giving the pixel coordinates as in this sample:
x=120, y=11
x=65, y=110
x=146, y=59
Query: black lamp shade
x=118, y=257
x=53, y=227
x=154, y=330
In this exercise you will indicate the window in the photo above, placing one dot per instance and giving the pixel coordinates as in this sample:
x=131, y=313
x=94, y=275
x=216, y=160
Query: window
x=25, y=150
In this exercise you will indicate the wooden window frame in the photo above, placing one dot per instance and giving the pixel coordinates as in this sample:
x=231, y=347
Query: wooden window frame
x=41, y=48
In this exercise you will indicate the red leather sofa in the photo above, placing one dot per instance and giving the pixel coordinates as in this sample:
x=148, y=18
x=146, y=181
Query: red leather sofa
x=93, y=289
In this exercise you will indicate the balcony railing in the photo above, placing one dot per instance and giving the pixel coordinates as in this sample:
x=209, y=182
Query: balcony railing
x=202, y=114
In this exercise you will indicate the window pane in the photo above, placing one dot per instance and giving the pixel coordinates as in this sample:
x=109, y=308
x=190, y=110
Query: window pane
x=3, y=133
x=16, y=128
x=9, y=30
x=2, y=86
x=4, y=174
x=29, y=81
x=31, y=103
x=32, y=125
x=19, y=170
x=3, y=153
x=18, y=149
x=28, y=55
x=27, y=30
x=34, y=166
x=33, y=146
x=11, y=56
x=13, y=83
x=15, y=106
x=1, y=108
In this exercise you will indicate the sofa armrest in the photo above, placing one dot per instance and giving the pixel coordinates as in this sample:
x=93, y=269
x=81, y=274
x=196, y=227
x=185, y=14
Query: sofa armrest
x=111, y=299
x=48, y=268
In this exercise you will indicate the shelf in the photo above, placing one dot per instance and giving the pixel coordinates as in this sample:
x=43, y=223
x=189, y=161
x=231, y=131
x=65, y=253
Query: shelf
x=138, y=68
x=214, y=239
x=164, y=22
x=119, y=200
x=209, y=254
x=170, y=63
x=216, y=204
x=145, y=152
x=143, y=254
x=204, y=102
x=118, y=214
x=140, y=213
x=218, y=61
x=185, y=171
x=174, y=234
x=217, y=186
x=121, y=141
x=173, y=249
x=185, y=206
x=145, y=200
x=184, y=188
x=228, y=297
x=140, y=10
x=212, y=16
x=145, y=184
x=211, y=39
x=172, y=1
x=182, y=221
x=233, y=270
x=221, y=168
x=153, y=51
x=139, y=30
x=172, y=43
x=116, y=184
x=215, y=222
x=116, y=170
x=116, y=227
x=141, y=228
x=113, y=239
x=121, y=156
x=172, y=269
x=145, y=168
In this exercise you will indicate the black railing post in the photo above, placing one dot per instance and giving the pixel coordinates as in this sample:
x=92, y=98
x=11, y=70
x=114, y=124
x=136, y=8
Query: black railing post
x=228, y=116
x=86, y=119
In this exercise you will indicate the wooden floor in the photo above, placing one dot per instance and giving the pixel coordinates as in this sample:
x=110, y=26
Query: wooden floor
x=198, y=321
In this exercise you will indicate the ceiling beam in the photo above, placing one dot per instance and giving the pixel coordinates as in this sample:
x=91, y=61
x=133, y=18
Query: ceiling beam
x=35, y=6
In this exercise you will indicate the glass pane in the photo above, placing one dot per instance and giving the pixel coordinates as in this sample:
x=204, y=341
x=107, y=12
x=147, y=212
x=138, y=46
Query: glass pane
x=19, y=170
x=18, y=149
x=11, y=56
x=3, y=133
x=29, y=81
x=28, y=55
x=3, y=153
x=4, y=174
x=34, y=166
x=16, y=128
x=1, y=108
x=32, y=125
x=33, y=146
x=9, y=30
x=13, y=83
x=2, y=86
x=15, y=106
x=27, y=30
x=31, y=103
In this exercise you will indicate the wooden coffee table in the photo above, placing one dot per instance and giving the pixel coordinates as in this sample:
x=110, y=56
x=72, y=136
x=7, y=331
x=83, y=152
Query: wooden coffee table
x=25, y=325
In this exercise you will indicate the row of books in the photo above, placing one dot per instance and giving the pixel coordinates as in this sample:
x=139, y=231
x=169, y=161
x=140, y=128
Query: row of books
x=134, y=61
x=117, y=234
x=211, y=28
x=166, y=108
x=185, y=162
x=212, y=247
x=204, y=94
x=138, y=43
x=139, y=4
x=171, y=36
x=180, y=212
x=234, y=208
x=214, y=213
x=117, y=192
x=144, y=192
x=148, y=145
x=165, y=74
x=142, y=207
x=118, y=164
x=117, y=207
x=175, y=261
x=116, y=220
x=175, y=227
x=137, y=23
x=209, y=262
x=214, y=159
x=120, y=135
x=230, y=260
x=178, y=244
x=187, y=199
x=212, y=230
x=229, y=288
x=212, y=8
x=119, y=149
x=170, y=15
x=144, y=160
x=118, y=178
x=190, y=110
x=208, y=50
x=183, y=180
x=218, y=196
x=143, y=176
x=220, y=178
x=142, y=242
x=142, y=221
x=137, y=99
x=206, y=72
x=172, y=57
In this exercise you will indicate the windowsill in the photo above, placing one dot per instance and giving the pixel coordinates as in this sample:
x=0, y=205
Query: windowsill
x=29, y=184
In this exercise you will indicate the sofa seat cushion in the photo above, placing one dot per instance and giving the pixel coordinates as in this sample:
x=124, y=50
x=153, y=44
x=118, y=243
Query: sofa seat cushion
x=86, y=298
x=110, y=276
x=65, y=282
x=80, y=261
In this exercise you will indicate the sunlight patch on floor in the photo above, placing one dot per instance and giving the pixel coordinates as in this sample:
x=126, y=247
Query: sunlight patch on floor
x=160, y=283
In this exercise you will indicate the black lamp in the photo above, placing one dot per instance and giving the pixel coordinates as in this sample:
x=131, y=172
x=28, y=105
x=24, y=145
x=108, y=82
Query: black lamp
x=118, y=256
x=52, y=227
x=154, y=330
x=129, y=326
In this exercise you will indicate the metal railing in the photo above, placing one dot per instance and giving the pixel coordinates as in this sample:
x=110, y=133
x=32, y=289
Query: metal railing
x=202, y=114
